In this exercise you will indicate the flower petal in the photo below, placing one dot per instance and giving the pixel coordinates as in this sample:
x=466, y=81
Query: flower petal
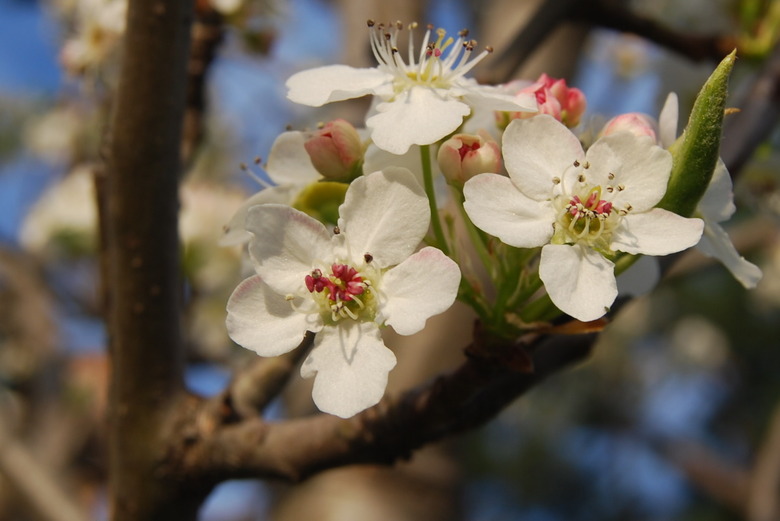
x=261, y=320
x=385, y=214
x=287, y=245
x=580, y=281
x=716, y=243
x=717, y=203
x=422, y=286
x=418, y=116
x=489, y=97
x=288, y=161
x=350, y=364
x=235, y=229
x=316, y=87
x=640, y=169
x=667, y=121
x=496, y=206
x=537, y=150
x=657, y=232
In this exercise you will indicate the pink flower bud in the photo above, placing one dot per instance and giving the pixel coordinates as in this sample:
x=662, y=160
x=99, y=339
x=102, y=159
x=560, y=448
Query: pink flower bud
x=336, y=150
x=465, y=155
x=635, y=122
x=553, y=97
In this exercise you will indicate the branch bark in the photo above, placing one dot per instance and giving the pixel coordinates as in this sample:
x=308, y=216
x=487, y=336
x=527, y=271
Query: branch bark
x=143, y=166
x=295, y=449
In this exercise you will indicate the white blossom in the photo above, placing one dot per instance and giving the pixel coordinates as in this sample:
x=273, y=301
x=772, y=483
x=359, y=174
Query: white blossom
x=581, y=207
x=343, y=286
x=423, y=98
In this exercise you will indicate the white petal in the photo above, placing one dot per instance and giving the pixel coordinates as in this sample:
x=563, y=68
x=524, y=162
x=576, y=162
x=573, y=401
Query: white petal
x=235, y=229
x=422, y=286
x=667, y=121
x=657, y=232
x=496, y=206
x=638, y=165
x=716, y=243
x=536, y=151
x=287, y=245
x=489, y=97
x=717, y=204
x=578, y=280
x=288, y=161
x=640, y=278
x=350, y=364
x=379, y=159
x=418, y=116
x=385, y=214
x=316, y=87
x=261, y=320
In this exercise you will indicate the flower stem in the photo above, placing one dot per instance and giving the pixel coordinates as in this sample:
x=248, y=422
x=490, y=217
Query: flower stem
x=438, y=231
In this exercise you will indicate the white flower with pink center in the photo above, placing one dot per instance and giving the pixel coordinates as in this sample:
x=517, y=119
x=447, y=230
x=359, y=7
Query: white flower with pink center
x=582, y=208
x=423, y=97
x=343, y=286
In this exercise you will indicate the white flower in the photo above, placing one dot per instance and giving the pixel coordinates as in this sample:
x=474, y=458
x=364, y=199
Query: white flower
x=343, y=287
x=290, y=167
x=99, y=25
x=423, y=98
x=716, y=206
x=580, y=207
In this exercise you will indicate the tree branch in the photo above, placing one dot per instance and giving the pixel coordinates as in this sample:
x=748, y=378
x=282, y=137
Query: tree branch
x=295, y=449
x=143, y=164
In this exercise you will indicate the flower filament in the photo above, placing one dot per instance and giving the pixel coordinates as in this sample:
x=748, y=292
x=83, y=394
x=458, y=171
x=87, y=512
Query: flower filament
x=432, y=67
x=585, y=214
x=338, y=293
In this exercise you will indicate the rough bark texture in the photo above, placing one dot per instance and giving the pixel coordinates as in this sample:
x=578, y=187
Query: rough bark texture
x=143, y=166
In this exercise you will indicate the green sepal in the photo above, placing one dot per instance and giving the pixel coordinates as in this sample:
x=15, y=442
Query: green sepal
x=696, y=151
x=322, y=200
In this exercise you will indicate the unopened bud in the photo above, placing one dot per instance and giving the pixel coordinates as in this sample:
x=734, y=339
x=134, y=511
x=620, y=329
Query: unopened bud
x=336, y=150
x=553, y=97
x=635, y=122
x=465, y=155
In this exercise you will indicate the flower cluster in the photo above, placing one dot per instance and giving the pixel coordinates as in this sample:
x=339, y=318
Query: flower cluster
x=423, y=196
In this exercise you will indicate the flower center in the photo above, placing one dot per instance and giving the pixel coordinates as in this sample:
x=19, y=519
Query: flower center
x=587, y=219
x=343, y=293
x=439, y=62
x=585, y=212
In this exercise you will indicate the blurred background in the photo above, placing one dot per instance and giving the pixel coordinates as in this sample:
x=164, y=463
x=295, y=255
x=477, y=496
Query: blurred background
x=676, y=416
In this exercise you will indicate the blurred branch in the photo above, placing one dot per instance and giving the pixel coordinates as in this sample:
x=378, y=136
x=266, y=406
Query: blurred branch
x=207, y=35
x=294, y=449
x=37, y=486
x=253, y=389
x=609, y=14
x=763, y=503
x=757, y=118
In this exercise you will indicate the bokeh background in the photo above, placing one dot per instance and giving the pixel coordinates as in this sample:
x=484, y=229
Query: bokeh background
x=676, y=415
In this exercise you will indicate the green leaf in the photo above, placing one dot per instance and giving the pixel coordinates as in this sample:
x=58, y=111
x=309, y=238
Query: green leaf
x=695, y=153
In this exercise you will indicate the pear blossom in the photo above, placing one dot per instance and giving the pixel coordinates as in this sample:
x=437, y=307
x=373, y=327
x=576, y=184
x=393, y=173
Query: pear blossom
x=343, y=286
x=290, y=167
x=580, y=207
x=423, y=98
x=717, y=203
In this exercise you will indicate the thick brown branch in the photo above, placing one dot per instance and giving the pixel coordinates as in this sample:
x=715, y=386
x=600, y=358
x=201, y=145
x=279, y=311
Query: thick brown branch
x=143, y=164
x=295, y=449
